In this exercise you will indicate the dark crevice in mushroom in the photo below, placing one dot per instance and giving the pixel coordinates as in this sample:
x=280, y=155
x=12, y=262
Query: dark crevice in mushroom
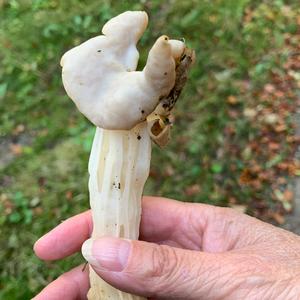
x=156, y=129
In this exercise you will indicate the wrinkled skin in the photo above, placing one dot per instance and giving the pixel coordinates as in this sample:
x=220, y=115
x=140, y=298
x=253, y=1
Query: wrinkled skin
x=187, y=251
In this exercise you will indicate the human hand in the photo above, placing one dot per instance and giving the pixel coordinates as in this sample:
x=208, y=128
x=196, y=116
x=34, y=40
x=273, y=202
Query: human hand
x=188, y=251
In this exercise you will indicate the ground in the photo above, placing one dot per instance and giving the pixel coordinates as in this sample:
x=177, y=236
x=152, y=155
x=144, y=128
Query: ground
x=292, y=221
x=234, y=138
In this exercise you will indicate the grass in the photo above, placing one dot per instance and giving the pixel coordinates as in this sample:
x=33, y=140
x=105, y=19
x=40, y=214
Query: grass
x=241, y=48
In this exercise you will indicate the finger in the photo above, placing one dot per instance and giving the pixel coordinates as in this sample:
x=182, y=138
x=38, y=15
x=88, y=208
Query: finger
x=197, y=226
x=65, y=239
x=173, y=222
x=69, y=286
x=163, y=221
x=155, y=271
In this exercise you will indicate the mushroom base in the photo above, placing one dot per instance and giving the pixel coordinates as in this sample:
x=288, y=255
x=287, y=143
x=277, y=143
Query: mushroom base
x=118, y=167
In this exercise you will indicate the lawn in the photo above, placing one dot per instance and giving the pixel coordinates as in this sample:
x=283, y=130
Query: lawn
x=232, y=143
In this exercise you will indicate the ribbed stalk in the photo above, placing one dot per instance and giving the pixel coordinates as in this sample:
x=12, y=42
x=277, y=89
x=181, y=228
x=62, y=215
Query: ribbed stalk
x=118, y=167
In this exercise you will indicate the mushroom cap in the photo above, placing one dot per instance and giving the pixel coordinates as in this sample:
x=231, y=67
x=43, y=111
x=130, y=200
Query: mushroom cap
x=99, y=75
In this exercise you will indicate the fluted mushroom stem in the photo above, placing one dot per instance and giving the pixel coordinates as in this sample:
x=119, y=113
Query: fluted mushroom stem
x=118, y=167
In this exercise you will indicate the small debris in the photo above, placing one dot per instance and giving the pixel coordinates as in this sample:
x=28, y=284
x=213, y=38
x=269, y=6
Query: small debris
x=84, y=266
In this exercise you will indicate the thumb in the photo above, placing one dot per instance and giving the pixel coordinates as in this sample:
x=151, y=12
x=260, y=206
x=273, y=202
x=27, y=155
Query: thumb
x=152, y=270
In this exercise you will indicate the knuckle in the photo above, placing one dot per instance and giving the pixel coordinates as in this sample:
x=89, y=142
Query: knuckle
x=164, y=260
x=165, y=266
x=227, y=212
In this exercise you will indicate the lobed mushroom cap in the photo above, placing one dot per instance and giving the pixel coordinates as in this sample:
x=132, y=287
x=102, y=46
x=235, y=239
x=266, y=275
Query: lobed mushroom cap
x=99, y=75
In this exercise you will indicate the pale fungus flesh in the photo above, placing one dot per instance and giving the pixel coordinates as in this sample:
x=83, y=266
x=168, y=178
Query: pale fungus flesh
x=126, y=107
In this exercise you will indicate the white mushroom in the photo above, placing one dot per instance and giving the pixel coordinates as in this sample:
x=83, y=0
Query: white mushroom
x=99, y=76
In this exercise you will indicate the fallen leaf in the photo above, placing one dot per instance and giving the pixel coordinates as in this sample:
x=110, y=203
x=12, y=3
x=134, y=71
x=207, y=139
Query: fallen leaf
x=193, y=190
x=245, y=177
x=281, y=180
x=35, y=202
x=278, y=218
x=281, y=128
x=269, y=88
x=271, y=119
x=41, y=181
x=16, y=149
x=250, y=113
x=38, y=211
x=287, y=206
x=288, y=195
x=292, y=139
x=282, y=165
x=279, y=195
x=255, y=169
x=232, y=200
x=19, y=129
x=169, y=171
x=292, y=169
x=233, y=114
x=274, y=146
x=256, y=184
x=69, y=195
x=232, y=100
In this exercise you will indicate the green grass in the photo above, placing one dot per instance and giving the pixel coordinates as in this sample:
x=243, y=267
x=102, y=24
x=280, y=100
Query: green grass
x=240, y=45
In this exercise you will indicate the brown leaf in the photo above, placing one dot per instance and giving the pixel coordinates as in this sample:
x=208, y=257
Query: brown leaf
x=245, y=177
x=264, y=176
x=69, y=195
x=274, y=146
x=193, y=190
x=256, y=184
x=232, y=100
x=169, y=171
x=16, y=149
x=269, y=88
x=230, y=130
x=281, y=180
x=19, y=129
x=282, y=166
x=278, y=218
x=232, y=200
x=256, y=168
x=292, y=169
x=233, y=114
x=38, y=211
x=7, y=204
x=288, y=195
x=281, y=128
x=279, y=94
x=293, y=139
x=41, y=181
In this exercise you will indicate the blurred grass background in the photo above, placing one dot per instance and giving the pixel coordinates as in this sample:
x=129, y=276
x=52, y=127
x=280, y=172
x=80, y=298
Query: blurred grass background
x=233, y=139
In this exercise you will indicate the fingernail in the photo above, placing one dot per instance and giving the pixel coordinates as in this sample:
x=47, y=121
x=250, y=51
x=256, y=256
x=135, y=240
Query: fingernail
x=107, y=254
